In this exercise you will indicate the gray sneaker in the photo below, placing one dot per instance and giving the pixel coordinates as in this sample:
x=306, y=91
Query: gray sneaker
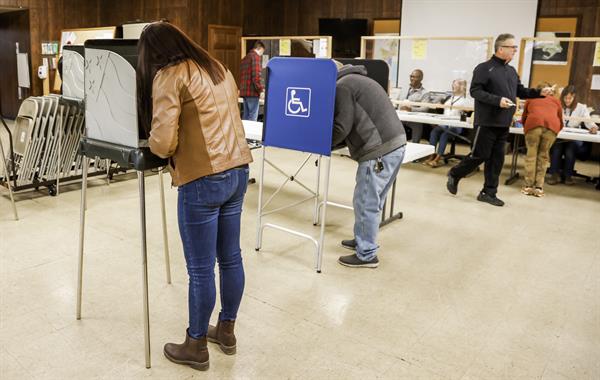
x=354, y=262
x=349, y=244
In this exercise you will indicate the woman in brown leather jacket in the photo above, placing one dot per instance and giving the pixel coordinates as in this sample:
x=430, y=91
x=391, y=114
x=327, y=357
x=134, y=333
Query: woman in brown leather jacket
x=187, y=101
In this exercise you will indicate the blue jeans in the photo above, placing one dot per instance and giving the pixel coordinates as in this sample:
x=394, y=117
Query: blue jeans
x=571, y=151
x=209, y=210
x=441, y=134
x=369, y=197
x=251, y=104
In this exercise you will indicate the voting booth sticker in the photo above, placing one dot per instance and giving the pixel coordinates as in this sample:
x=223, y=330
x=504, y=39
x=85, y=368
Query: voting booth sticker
x=299, y=106
x=297, y=100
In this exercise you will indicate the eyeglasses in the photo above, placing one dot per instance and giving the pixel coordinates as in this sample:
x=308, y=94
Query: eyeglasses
x=510, y=46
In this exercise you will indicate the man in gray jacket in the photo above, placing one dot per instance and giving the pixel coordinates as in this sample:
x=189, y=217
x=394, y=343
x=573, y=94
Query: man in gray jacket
x=366, y=122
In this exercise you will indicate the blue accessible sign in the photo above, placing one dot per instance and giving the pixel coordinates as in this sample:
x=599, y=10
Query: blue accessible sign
x=299, y=107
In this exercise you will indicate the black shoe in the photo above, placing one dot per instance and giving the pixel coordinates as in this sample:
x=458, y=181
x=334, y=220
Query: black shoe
x=349, y=244
x=452, y=184
x=354, y=262
x=483, y=197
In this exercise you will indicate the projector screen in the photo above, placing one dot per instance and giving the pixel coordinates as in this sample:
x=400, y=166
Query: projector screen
x=464, y=18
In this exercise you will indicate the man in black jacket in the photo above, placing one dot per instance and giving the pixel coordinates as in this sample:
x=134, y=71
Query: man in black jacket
x=365, y=120
x=495, y=87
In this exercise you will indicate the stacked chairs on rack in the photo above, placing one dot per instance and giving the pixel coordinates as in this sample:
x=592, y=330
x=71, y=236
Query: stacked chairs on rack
x=45, y=144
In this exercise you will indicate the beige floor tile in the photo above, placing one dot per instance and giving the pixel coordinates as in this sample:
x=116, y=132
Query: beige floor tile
x=464, y=290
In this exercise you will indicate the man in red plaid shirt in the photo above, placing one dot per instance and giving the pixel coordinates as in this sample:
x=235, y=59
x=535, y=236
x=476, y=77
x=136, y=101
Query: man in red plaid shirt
x=250, y=83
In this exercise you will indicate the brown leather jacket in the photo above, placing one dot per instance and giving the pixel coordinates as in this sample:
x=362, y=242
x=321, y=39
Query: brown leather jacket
x=196, y=124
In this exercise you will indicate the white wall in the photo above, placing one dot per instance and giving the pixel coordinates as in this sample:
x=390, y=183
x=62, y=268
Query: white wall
x=465, y=18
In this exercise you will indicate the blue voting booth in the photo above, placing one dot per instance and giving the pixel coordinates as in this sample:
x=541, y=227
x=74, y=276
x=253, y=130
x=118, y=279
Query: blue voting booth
x=300, y=100
x=299, y=109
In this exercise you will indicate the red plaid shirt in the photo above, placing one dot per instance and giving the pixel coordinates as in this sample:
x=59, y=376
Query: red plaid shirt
x=250, y=68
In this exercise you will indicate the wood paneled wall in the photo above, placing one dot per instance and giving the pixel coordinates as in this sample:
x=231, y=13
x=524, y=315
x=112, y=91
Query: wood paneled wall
x=292, y=17
x=14, y=28
x=588, y=14
x=257, y=17
x=47, y=18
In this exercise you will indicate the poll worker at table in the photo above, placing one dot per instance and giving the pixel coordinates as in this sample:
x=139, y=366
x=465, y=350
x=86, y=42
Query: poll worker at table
x=495, y=87
x=415, y=93
x=366, y=122
x=570, y=150
x=188, y=102
x=542, y=120
x=440, y=134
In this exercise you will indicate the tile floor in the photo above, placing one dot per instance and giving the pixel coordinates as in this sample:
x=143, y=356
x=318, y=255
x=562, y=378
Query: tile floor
x=464, y=290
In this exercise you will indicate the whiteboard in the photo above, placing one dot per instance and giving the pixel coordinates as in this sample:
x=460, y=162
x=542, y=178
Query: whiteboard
x=447, y=18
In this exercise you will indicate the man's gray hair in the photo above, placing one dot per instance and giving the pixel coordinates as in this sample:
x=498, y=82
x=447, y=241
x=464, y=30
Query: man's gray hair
x=500, y=40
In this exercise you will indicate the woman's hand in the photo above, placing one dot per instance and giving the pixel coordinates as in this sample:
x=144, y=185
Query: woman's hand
x=594, y=130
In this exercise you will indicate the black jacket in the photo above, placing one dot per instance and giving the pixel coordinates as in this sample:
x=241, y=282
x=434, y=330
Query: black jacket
x=365, y=119
x=493, y=80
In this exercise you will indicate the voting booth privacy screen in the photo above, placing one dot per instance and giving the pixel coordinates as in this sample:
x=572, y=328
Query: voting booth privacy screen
x=110, y=92
x=300, y=101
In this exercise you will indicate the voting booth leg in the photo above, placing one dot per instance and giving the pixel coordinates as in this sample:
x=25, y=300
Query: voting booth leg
x=513, y=165
x=7, y=176
x=323, y=215
x=82, y=210
x=317, y=205
x=144, y=266
x=164, y=225
x=260, y=195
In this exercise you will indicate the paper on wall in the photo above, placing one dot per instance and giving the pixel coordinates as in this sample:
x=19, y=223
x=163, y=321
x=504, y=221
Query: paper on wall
x=285, y=47
x=419, y=49
x=596, y=82
x=320, y=48
x=597, y=55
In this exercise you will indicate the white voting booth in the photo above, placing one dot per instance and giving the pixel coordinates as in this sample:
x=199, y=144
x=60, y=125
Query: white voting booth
x=112, y=132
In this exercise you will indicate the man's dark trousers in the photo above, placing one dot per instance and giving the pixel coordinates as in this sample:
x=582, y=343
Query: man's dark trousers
x=488, y=147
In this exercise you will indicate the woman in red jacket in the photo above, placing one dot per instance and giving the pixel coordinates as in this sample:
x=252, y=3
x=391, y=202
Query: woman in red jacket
x=542, y=120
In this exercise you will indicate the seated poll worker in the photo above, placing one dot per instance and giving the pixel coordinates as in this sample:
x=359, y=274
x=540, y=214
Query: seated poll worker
x=366, y=122
x=570, y=149
x=440, y=134
x=187, y=100
x=415, y=93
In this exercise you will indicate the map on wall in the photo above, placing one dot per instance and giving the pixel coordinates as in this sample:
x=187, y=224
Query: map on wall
x=387, y=50
x=551, y=52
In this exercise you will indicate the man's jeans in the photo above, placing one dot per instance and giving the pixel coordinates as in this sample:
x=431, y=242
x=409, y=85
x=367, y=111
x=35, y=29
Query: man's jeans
x=209, y=211
x=369, y=197
x=251, y=104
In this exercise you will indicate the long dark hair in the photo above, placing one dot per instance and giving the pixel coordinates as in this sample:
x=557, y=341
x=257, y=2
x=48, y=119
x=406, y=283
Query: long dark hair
x=569, y=90
x=162, y=44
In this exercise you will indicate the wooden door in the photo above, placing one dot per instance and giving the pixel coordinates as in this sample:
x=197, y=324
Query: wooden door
x=224, y=44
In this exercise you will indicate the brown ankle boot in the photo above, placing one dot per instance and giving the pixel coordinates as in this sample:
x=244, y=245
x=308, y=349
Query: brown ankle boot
x=223, y=335
x=192, y=352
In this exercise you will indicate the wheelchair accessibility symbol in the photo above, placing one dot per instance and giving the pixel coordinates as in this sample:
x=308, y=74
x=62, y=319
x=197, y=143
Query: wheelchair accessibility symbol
x=297, y=100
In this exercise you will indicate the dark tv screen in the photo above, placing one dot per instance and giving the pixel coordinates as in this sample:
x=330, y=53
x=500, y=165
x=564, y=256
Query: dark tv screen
x=345, y=34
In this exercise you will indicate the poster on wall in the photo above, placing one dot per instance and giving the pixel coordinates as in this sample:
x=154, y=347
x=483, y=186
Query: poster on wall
x=551, y=52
